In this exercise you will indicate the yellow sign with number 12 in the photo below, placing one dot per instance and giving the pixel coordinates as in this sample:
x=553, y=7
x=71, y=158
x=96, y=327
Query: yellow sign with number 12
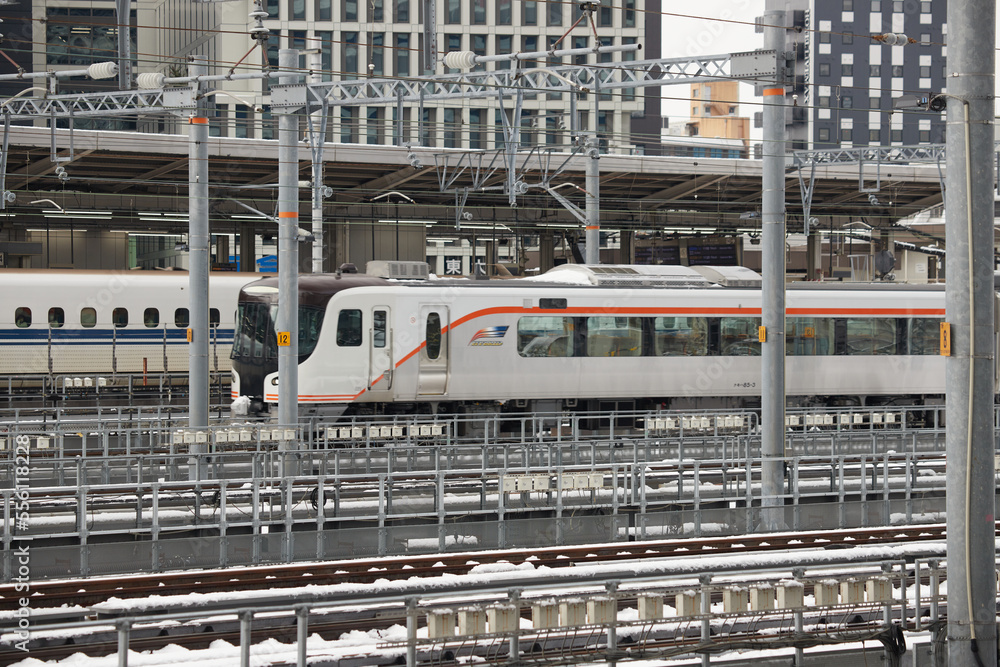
x=284, y=339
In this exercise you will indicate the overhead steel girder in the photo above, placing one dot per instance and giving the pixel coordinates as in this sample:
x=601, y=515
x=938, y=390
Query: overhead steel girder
x=113, y=103
x=870, y=154
x=580, y=78
x=477, y=85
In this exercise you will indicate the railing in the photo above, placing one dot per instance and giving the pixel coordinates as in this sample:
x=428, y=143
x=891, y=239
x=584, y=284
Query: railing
x=274, y=506
x=778, y=604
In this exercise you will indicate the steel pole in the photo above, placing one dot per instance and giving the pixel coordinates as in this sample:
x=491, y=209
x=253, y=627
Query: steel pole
x=319, y=128
x=969, y=371
x=123, y=15
x=288, y=251
x=198, y=246
x=593, y=204
x=772, y=348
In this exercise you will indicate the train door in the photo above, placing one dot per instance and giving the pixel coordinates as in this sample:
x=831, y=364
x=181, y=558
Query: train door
x=433, y=363
x=380, y=364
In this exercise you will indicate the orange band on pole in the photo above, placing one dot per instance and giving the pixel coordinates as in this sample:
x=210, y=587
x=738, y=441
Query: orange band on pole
x=773, y=91
x=197, y=120
x=593, y=227
x=288, y=214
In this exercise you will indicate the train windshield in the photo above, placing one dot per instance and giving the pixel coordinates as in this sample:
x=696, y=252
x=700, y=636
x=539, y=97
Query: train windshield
x=255, y=338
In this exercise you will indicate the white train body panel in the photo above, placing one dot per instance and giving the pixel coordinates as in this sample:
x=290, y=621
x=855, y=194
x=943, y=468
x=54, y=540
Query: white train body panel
x=479, y=359
x=60, y=304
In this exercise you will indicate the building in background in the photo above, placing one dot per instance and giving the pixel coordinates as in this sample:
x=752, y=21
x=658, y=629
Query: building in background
x=846, y=81
x=715, y=128
x=384, y=38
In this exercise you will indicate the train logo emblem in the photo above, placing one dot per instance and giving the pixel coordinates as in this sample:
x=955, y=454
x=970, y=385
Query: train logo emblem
x=488, y=337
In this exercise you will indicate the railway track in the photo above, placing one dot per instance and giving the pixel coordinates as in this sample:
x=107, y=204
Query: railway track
x=89, y=592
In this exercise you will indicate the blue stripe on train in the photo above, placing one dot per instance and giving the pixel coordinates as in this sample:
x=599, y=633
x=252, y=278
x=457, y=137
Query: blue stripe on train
x=104, y=336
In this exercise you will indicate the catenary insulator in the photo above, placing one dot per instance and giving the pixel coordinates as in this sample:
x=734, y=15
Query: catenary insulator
x=106, y=70
x=150, y=80
x=460, y=59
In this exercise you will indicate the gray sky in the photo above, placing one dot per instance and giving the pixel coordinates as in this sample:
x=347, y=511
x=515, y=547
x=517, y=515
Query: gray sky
x=688, y=37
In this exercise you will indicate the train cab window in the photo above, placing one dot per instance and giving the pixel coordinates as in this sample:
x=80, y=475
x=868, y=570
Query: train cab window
x=349, y=328
x=378, y=328
x=213, y=318
x=151, y=317
x=552, y=304
x=310, y=324
x=680, y=336
x=22, y=317
x=433, y=331
x=181, y=318
x=545, y=336
x=88, y=318
x=738, y=337
x=119, y=317
x=614, y=336
x=57, y=318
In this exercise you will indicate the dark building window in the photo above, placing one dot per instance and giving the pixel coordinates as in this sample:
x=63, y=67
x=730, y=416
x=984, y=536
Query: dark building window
x=897, y=135
x=845, y=134
x=874, y=137
x=824, y=69
x=847, y=102
x=875, y=70
x=824, y=134
x=848, y=5
x=847, y=70
x=847, y=38
x=897, y=70
x=453, y=13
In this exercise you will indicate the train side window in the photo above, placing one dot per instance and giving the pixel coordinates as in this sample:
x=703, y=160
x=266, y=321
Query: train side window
x=433, y=332
x=119, y=317
x=213, y=318
x=925, y=336
x=680, y=336
x=552, y=304
x=349, y=328
x=151, y=317
x=22, y=317
x=614, y=336
x=738, y=336
x=809, y=336
x=57, y=318
x=88, y=318
x=545, y=336
x=871, y=336
x=181, y=318
x=379, y=327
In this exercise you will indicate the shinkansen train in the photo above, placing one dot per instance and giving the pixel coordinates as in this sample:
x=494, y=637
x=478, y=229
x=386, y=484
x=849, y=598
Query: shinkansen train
x=73, y=323
x=582, y=337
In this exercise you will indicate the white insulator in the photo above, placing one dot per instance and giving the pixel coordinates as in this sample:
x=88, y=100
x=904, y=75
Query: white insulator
x=460, y=59
x=150, y=80
x=896, y=39
x=103, y=70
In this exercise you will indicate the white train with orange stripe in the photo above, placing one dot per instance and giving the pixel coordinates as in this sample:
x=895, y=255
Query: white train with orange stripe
x=583, y=337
